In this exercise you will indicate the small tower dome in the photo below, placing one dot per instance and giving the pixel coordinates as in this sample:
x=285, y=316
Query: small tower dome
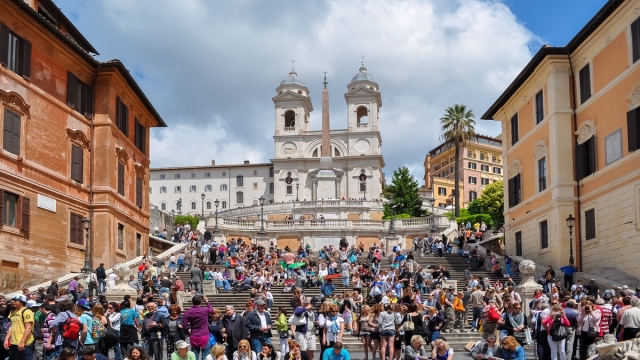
x=292, y=79
x=362, y=75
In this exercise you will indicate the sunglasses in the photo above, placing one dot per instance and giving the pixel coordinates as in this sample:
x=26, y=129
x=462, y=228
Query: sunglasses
x=243, y=346
x=516, y=308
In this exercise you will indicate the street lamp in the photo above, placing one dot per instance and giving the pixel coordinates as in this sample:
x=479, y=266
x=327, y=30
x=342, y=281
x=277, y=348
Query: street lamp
x=262, y=232
x=392, y=230
x=571, y=221
x=86, y=223
x=297, y=187
x=202, y=197
x=216, y=203
x=432, y=201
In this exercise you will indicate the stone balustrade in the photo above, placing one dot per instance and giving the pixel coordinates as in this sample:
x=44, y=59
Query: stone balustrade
x=290, y=207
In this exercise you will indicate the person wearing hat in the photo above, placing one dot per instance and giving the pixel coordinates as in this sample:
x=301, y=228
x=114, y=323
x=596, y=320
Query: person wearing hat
x=182, y=352
x=259, y=325
x=19, y=339
x=87, y=323
x=303, y=322
x=489, y=349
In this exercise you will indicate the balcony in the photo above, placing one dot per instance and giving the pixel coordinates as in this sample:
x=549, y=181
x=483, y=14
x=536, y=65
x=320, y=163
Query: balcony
x=290, y=128
x=365, y=125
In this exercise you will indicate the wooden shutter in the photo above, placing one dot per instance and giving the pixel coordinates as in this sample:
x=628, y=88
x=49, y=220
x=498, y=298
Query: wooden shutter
x=510, y=182
x=80, y=232
x=71, y=90
x=11, y=132
x=592, y=155
x=632, y=130
x=25, y=59
x=4, y=44
x=585, y=84
x=1, y=207
x=590, y=224
x=87, y=101
x=121, y=179
x=139, y=192
x=77, y=168
x=581, y=161
x=25, y=225
x=73, y=228
x=635, y=40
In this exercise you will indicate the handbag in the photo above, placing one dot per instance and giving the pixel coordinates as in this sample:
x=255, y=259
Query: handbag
x=408, y=325
x=527, y=336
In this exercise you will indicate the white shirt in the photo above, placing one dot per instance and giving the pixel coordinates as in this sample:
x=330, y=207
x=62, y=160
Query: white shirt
x=332, y=336
x=263, y=319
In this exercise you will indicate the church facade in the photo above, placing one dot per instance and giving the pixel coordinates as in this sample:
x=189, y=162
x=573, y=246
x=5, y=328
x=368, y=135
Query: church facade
x=354, y=156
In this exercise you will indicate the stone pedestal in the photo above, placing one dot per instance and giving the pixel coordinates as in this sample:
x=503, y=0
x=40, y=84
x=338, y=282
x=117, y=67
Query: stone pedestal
x=326, y=180
x=122, y=287
x=528, y=286
x=262, y=240
x=389, y=242
x=209, y=287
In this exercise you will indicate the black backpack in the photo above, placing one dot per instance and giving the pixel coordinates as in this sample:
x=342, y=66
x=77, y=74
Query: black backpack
x=38, y=325
x=558, y=331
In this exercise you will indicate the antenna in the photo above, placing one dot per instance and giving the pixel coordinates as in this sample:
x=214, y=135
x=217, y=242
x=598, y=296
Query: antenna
x=362, y=62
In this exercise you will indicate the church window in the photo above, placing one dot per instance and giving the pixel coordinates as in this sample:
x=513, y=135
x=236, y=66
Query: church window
x=336, y=152
x=315, y=153
x=289, y=119
x=163, y=206
x=193, y=205
x=289, y=190
x=208, y=205
x=362, y=115
x=239, y=197
x=270, y=172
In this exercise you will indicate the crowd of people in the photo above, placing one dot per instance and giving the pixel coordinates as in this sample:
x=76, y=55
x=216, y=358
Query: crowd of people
x=395, y=307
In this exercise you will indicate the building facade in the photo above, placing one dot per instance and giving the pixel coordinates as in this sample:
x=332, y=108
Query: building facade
x=480, y=165
x=571, y=129
x=194, y=190
x=74, y=146
x=357, y=161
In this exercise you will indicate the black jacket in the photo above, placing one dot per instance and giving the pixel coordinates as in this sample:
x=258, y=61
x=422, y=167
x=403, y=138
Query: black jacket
x=100, y=273
x=179, y=333
x=254, y=324
x=238, y=329
x=161, y=325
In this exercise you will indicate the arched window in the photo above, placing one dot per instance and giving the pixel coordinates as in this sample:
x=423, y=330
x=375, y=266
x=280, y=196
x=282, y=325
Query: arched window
x=193, y=205
x=224, y=204
x=336, y=152
x=255, y=202
x=223, y=187
x=208, y=205
x=239, y=181
x=289, y=119
x=315, y=153
x=362, y=114
x=163, y=207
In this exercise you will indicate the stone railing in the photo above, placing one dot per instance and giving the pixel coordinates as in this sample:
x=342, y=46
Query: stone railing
x=289, y=207
x=418, y=224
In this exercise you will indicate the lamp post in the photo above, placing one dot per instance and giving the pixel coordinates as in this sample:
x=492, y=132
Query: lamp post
x=392, y=230
x=179, y=204
x=297, y=188
x=262, y=232
x=432, y=201
x=571, y=221
x=216, y=203
x=86, y=223
x=202, y=197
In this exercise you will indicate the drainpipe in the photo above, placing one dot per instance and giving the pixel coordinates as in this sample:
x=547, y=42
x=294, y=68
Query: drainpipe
x=575, y=165
x=91, y=165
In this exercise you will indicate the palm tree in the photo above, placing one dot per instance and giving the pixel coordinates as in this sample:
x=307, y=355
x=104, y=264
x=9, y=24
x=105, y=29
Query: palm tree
x=458, y=128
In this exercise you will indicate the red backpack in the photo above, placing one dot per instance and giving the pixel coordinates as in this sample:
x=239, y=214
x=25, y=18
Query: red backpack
x=71, y=328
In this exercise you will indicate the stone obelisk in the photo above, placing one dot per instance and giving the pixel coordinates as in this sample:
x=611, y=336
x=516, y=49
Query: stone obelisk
x=326, y=177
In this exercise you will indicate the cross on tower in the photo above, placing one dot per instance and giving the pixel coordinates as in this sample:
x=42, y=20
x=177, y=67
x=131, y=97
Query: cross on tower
x=362, y=57
x=293, y=62
x=325, y=80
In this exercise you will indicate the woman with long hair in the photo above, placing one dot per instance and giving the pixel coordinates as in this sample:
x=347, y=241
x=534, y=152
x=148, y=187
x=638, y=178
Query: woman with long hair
x=129, y=326
x=515, y=322
x=244, y=351
x=375, y=329
x=323, y=314
x=113, y=314
x=175, y=332
x=413, y=316
x=388, y=330
x=295, y=353
x=137, y=353
x=98, y=313
x=333, y=327
x=441, y=350
x=556, y=347
x=364, y=330
x=218, y=352
x=268, y=353
x=511, y=350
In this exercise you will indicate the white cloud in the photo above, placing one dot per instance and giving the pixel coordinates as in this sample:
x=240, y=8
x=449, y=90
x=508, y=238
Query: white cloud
x=211, y=68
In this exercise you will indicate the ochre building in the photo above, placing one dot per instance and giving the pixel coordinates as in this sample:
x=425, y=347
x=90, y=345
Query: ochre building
x=571, y=130
x=74, y=145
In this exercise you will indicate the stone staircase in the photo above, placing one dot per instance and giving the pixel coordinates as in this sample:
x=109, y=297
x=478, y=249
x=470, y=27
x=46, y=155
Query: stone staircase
x=455, y=265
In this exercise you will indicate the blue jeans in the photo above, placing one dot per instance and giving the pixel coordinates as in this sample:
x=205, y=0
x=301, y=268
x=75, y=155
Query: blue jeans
x=435, y=335
x=52, y=354
x=269, y=305
x=26, y=354
x=102, y=285
x=477, y=314
x=345, y=280
x=162, y=291
x=205, y=351
x=256, y=344
x=117, y=350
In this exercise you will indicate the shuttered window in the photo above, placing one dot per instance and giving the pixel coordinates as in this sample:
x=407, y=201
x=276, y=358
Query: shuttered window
x=635, y=40
x=11, y=132
x=141, y=137
x=519, y=243
x=121, y=178
x=544, y=235
x=15, y=52
x=122, y=116
x=586, y=158
x=139, y=192
x=76, y=229
x=514, y=129
x=77, y=169
x=590, y=224
x=585, y=83
x=138, y=244
x=515, y=191
x=539, y=107
x=633, y=129
x=15, y=211
x=79, y=95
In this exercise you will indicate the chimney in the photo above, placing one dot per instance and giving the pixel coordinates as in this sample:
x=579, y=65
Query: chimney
x=213, y=162
x=246, y=162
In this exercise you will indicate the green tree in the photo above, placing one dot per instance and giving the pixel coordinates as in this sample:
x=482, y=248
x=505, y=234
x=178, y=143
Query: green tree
x=187, y=219
x=474, y=208
x=458, y=128
x=492, y=202
x=406, y=199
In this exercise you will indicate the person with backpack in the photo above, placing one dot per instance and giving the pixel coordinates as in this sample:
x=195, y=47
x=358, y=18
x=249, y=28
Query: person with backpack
x=83, y=310
x=19, y=339
x=556, y=325
x=47, y=317
x=65, y=328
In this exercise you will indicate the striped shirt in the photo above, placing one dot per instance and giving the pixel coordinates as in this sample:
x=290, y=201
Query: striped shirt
x=605, y=320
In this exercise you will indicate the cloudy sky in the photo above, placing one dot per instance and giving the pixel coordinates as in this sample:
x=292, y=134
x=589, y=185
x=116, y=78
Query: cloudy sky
x=211, y=67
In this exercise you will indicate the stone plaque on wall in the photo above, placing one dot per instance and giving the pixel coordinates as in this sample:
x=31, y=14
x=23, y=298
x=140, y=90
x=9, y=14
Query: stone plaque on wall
x=613, y=146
